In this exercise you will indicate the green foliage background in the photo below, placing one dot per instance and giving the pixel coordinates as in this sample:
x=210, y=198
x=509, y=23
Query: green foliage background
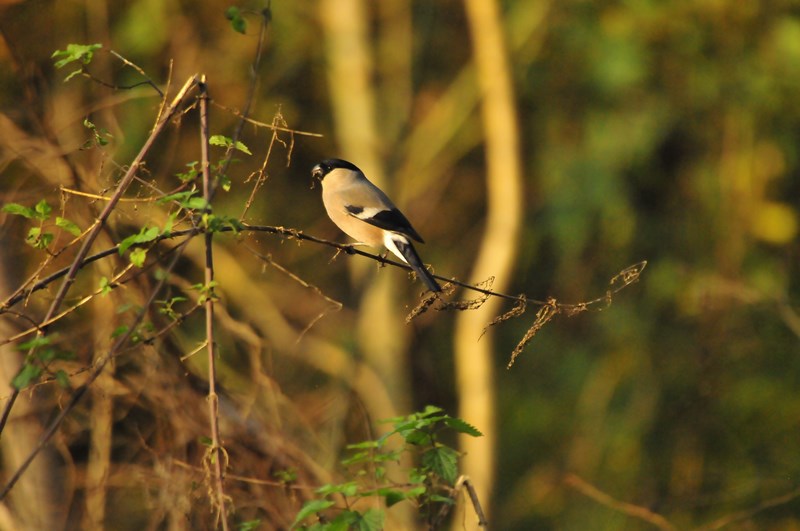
x=659, y=131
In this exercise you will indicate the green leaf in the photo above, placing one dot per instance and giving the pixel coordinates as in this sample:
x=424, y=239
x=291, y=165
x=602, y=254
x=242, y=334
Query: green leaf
x=441, y=499
x=346, y=489
x=43, y=210
x=26, y=376
x=241, y=147
x=138, y=256
x=392, y=496
x=68, y=226
x=309, y=508
x=62, y=379
x=38, y=239
x=431, y=410
x=364, y=445
x=371, y=520
x=45, y=355
x=234, y=15
x=250, y=525
x=462, y=426
x=190, y=174
x=145, y=235
x=225, y=182
x=195, y=203
x=205, y=441
x=224, y=141
x=36, y=342
x=19, y=210
x=179, y=196
x=105, y=286
x=417, y=437
x=75, y=52
x=442, y=461
x=118, y=331
x=416, y=492
x=220, y=140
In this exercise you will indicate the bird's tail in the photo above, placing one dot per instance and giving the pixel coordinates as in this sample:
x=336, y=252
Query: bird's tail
x=406, y=252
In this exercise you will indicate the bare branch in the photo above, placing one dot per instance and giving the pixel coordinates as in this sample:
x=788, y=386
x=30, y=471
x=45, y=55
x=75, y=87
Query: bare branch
x=634, y=511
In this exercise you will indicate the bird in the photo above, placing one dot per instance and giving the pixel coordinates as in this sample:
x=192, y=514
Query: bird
x=363, y=212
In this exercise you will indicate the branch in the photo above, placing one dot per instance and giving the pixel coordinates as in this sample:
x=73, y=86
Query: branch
x=101, y=220
x=215, y=454
x=80, y=391
x=634, y=511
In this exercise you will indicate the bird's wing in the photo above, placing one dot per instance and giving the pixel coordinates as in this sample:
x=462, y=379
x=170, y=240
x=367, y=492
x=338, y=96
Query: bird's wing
x=386, y=219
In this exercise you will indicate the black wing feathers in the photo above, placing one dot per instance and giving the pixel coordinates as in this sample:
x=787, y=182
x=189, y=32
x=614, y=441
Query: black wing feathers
x=391, y=220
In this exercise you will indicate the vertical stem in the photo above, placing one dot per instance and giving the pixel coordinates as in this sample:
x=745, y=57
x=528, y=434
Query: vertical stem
x=216, y=454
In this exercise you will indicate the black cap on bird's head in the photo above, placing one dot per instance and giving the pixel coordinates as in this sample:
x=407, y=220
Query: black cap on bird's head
x=322, y=169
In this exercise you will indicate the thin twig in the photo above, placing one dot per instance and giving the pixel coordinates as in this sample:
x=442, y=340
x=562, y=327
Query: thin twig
x=747, y=514
x=266, y=17
x=464, y=482
x=634, y=511
x=98, y=369
x=101, y=220
x=628, y=275
x=266, y=125
x=216, y=453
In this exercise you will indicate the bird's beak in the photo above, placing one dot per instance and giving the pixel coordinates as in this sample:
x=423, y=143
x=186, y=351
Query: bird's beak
x=316, y=172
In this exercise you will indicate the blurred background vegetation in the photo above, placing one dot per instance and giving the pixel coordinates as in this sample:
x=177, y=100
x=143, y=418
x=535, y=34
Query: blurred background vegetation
x=636, y=130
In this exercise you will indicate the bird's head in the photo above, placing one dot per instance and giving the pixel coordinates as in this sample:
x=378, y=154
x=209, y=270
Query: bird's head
x=322, y=169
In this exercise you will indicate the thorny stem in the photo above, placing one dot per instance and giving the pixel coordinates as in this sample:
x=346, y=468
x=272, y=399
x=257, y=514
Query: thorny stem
x=216, y=452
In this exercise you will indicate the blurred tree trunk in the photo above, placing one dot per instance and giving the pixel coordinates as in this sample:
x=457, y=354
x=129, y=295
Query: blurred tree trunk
x=37, y=500
x=381, y=330
x=474, y=359
x=98, y=467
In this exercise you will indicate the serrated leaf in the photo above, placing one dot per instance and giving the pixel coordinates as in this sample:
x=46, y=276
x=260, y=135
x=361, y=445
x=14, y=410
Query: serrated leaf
x=19, y=210
x=26, y=376
x=442, y=461
x=309, y=508
x=68, y=226
x=462, y=426
x=371, y=520
x=241, y=147
x=138, y=257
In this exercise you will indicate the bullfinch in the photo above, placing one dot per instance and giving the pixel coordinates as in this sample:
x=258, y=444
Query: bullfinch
x=364, y=213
